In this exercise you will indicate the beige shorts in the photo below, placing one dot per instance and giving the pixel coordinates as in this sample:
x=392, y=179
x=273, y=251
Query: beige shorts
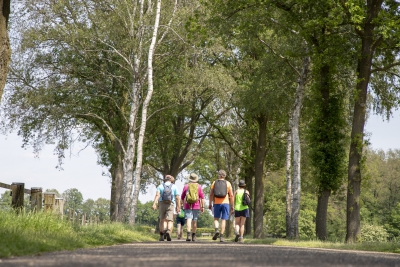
x=166, y=211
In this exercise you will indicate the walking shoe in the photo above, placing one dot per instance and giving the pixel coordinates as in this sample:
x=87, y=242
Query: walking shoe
x=161, y=237
x=216, y=235
x=179, y=237
x=221, y=238
x=236, y=238
x=241, y=239
x=188, y=237
x=193, y=237
x=168, y=236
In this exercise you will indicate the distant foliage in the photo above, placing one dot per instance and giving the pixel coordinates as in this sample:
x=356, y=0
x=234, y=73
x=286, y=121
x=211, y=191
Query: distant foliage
x=393, y=225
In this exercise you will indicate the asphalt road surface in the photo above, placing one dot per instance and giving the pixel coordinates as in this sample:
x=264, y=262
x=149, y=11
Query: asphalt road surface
x=207, y=254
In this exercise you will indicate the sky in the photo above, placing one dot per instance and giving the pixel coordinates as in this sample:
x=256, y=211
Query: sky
x=80, y=169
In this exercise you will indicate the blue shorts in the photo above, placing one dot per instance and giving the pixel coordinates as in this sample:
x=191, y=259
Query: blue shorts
x=192, y=214
x=180, y=221
x=221, y=211
x=242, y=213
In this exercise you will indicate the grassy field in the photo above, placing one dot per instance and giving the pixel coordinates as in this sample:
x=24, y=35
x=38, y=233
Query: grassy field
x=36, y=233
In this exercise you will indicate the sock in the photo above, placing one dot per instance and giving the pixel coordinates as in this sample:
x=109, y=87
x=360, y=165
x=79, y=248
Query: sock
x=216, y=229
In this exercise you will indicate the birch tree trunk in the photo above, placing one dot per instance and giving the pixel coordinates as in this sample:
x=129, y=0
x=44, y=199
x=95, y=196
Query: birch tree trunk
x=146, y=103
x=296, y=189
x=129, y=155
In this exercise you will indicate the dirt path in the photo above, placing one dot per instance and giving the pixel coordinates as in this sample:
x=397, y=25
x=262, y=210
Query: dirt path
x=207, y=254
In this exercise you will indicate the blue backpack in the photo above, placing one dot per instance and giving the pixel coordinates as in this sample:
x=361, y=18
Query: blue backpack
x=166, y=196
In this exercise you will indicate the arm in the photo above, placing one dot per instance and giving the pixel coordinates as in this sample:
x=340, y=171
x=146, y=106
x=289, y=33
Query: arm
x=178, y=204
x=211, y=198
x=231, y=199
x=156, y=198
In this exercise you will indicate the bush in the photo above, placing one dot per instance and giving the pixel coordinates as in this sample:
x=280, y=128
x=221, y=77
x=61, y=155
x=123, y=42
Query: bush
x=199, y=231
x=373, y=233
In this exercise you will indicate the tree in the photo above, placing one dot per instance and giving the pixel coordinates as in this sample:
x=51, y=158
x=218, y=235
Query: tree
x=5, y=49
x=73, y=200
x=376, y=27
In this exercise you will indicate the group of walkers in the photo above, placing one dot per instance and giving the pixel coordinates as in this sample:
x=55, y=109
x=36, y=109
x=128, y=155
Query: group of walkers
x=188, y=206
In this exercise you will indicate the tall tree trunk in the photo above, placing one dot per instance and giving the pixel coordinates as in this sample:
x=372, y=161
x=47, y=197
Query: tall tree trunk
x=289, y=181
x=259, y=177
x=129, y=155
x=249, y=174
x=138, y=170
x=117, y=174
x=5, y=49
x=322, y=208
x=364, y=65
x=295, y=124
x=357, y=138
x=322, y=211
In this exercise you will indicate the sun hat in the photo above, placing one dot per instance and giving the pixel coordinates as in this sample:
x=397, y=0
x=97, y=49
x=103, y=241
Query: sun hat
x=193, y=178
x=242, y=183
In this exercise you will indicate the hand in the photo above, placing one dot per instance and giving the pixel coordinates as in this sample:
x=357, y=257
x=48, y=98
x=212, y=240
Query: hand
x=178, y=210
x=202, y=210
x=210, y=207
x=154, y=206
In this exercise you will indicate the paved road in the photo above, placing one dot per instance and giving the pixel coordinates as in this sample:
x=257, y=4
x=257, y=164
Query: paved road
x=176, y=254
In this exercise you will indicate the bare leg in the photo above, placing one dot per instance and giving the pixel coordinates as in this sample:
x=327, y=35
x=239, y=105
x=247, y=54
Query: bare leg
x=223, y=224
x=189, y=225
x=242, y=222
x=237, y=225
x=216, y=223
x=194, y=226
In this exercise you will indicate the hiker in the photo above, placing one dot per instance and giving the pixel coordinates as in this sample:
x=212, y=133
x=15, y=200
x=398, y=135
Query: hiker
x=166, y=196
x=180, y=222
x=193, y=197
x=222, y=196
x=241, y=211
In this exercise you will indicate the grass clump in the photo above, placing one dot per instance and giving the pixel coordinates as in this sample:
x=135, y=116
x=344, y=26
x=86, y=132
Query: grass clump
x=35, y=233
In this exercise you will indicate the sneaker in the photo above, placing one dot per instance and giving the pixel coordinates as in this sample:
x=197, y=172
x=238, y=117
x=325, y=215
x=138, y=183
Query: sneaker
x=241, y=239
x=188, y=237
x=165, y=236
x=161, y=237
x=193, y=237
x=168, y=236
x=221, y=238
x=236, y=238
x=216, y=235
x=179, y=237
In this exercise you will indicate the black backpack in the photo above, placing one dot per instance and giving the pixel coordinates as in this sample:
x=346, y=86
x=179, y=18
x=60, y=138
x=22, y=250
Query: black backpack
x=220, y=188
x=167, y=193
x=246, y=201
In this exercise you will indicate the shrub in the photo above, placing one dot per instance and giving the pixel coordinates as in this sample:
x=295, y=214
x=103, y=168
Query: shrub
x=373, y=233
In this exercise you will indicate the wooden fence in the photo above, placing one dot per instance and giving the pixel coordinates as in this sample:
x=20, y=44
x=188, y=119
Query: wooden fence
x=38, y=200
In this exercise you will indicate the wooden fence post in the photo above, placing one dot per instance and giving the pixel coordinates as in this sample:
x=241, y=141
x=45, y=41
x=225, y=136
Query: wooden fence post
x=17, y=201
x=59, y=206
x=84, y=219
x=49, y=200
x=36, y=199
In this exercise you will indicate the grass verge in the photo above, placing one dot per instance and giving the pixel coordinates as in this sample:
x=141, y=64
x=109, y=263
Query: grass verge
x=35, y=233
x=392, y=247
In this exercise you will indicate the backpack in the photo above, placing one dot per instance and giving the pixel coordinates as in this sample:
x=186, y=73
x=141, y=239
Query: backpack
x=192, y=194
x=167, y=194
x=181, y=214
x=220, y=188
x=246, y=201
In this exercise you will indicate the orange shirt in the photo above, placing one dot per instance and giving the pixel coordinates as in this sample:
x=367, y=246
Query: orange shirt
x=225, y=200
